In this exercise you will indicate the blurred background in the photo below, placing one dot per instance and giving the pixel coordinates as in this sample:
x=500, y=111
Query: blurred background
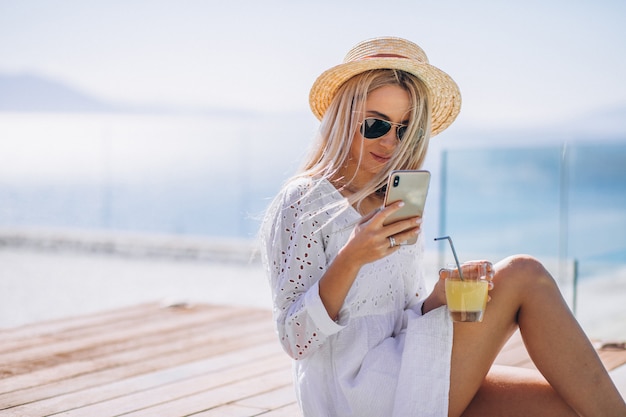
x=140, y=142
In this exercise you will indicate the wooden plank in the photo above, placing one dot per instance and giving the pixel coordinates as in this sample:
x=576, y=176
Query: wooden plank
x=165, y=385
x=180, y=338
x=71, y=369
x=142, y=332
x=291, y=410
x=229, y=362
x=88, y=342
x=111, y=376
x=271, y=400
x=612, y=354
x=103, y=370
x=28, y=331
x=230, y=410
x=222, y=394
x=165, y=402
x=147, y=360
x=619, y=378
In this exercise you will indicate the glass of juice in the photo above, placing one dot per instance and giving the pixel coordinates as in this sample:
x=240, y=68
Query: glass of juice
x=467, y=296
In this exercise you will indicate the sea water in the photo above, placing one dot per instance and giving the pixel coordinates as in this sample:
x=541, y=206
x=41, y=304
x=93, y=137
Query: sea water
x=192, y=175
x=553, y=201
x=214, y=174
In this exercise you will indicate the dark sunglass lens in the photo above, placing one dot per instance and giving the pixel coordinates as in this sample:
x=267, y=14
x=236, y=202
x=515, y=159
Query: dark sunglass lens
x=374, y=128
x=401, y=131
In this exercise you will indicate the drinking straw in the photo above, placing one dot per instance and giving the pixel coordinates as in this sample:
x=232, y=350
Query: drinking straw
x=456, y=258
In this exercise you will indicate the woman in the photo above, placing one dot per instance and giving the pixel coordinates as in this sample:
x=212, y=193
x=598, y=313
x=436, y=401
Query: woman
x=350, y=303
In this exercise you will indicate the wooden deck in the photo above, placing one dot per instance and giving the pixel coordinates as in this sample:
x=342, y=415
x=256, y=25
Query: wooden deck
x=148, y=360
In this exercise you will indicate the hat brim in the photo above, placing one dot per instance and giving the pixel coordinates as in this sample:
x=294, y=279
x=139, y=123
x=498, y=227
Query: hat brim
x=444, y=96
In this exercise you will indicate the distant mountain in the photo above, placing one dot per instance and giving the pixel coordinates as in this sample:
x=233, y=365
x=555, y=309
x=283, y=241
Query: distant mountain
x=27, y=92
x=35, y=93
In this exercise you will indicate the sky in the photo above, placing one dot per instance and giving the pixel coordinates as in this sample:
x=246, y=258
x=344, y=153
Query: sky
x=517, y=63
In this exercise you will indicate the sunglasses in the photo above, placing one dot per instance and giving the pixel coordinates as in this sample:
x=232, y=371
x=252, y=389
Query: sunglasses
x=373, y=128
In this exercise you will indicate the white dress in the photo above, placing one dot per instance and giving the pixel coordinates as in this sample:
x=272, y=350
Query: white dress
x=381, y=357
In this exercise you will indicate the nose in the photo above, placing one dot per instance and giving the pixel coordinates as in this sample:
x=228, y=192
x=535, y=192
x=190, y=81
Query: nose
x=390, y=139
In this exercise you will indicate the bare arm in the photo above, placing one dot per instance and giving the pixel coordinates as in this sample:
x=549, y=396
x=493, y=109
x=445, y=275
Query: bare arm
x=436, y=298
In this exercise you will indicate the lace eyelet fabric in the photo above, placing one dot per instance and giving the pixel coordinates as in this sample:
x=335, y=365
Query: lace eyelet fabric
x=365, y=347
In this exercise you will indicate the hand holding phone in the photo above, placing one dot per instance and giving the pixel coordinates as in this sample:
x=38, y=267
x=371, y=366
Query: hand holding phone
x=410, y=187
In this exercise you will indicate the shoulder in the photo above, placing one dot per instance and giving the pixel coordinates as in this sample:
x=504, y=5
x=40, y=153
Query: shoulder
x=297, y=188
x=306, y=193
x=304, y=199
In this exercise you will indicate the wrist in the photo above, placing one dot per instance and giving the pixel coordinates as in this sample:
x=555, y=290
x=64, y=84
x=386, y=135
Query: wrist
x=430, y=303
x=347, y=262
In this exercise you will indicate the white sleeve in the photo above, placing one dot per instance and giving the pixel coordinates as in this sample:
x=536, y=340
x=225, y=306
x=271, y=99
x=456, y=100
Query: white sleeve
x=295, y=261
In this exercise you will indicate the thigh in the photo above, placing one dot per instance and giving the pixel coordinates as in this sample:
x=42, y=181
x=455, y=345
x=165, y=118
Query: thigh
x=476, y=345
x=513, y=392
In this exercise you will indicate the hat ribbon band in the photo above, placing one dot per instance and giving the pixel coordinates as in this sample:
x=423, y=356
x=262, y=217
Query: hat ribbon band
x=386, y=56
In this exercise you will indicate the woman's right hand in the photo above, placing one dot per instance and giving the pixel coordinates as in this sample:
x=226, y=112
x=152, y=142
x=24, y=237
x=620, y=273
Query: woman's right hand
x=370, y=241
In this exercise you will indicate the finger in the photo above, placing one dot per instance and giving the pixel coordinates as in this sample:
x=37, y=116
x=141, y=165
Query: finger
x=404, y=230
x=406, y=235
x=385, y=212
x=488, y=264
x=392, y=243
x=477, y=266
x=444, y=273
x=370, y=215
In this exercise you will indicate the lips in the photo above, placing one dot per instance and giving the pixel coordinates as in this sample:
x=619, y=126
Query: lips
x=380, y=158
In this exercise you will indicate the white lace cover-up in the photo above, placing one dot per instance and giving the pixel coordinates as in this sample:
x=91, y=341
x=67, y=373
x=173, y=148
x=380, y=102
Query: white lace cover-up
x=381, y=357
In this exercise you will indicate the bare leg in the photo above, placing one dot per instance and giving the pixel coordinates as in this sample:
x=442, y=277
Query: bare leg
x=520, y=392
x=525, y=295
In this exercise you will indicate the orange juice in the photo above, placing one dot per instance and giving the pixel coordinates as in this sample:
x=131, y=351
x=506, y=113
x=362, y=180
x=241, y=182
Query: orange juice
x=466, y=299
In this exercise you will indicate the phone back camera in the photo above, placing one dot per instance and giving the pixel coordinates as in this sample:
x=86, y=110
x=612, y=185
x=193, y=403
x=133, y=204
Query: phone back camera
x=396, y=180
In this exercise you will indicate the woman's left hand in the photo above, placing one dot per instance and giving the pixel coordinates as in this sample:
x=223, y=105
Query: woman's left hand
x=473, y=268
x=437, y=297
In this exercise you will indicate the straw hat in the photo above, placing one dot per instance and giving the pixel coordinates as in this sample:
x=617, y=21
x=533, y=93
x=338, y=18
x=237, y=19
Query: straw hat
x=395, y=53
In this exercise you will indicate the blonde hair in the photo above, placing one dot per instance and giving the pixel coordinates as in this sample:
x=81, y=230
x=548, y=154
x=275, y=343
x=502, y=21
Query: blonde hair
x=330, y=150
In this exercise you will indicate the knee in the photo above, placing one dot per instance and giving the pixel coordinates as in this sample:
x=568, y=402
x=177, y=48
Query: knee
x=524, y=264
x=525, y=269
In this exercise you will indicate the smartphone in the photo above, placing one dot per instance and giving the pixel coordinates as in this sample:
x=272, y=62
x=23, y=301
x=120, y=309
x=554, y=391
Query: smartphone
x=410, y=187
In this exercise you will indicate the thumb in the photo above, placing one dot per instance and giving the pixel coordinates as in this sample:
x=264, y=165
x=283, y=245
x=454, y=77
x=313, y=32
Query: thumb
x=443, y=274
